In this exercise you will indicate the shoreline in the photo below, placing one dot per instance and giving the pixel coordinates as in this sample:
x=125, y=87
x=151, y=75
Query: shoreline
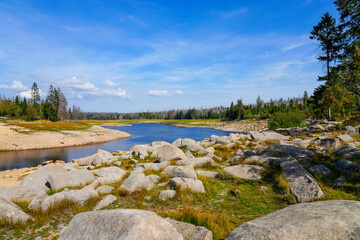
x=11, y=140
x=236, y=130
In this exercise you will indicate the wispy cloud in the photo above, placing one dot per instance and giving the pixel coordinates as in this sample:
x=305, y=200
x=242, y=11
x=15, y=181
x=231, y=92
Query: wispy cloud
x=179, y=92
x=109, y=83
x=158, y=93
x=16, y=85
x=234, y=13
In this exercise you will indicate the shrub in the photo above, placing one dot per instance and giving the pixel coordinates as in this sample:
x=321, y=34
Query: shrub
x=286, y=120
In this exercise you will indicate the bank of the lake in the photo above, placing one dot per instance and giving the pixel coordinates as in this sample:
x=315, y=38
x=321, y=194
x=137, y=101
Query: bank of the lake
x=141, y=134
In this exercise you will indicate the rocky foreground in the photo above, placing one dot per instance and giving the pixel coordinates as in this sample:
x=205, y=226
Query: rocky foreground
x=168, y=170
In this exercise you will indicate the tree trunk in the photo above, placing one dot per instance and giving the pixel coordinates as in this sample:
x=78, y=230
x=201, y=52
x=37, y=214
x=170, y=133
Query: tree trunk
x=329, y=114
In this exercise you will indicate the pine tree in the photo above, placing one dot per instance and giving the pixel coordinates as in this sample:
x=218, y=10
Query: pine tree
x=35, y=95
x=330, y=39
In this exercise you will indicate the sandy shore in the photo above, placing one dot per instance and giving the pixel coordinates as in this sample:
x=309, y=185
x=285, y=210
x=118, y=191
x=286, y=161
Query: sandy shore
x=14, y=138
x=12, y=178
x=235, y=126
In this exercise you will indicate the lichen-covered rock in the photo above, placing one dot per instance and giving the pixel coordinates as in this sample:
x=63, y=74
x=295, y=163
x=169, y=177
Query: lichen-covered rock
x=268, y=135
x=331, y=143
x=337, y=219
x=122, y=224
x=101, y=156
x=183, y=171
x=196, y=162
x=105, y=189
x=209, y=174
x=137, y=182
x=106, y=201
x=73, y=178
x=278, y=150
x=11, y=212
x=35, y=204
x=166, y=194
x=245, y=171
x=190, y=231
x=347, y=167
x=302, y=183
x=320, y=169
x=187, y=183
x=111, y=174
x=170, y=152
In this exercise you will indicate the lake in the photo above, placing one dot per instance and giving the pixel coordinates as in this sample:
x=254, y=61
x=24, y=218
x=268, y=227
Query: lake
x=141, y=134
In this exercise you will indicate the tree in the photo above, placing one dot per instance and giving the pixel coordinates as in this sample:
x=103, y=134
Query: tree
x=330, y=39
x=259, y=103
x=52, y=104
x=62, y=107
x=349, y=11
x=305, y=98
x=35, y=95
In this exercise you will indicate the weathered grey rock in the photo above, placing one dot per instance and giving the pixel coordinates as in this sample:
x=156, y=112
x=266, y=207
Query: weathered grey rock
x=111, y=174
x=75, y=196
x=196, y=162
x=339, y=182
x=190, y=231
x=345, y=138
x=137, y=182
x=189, y=154
x=245, y=171
x=177, y=142
x=261, y=159
x=302, y=184
x=159, y=144
x=183, y=171
x=187, y=141
x=213, y=138
x=222, y=140
x=347, y=167
x=330, y=143
x=122, y=224
x=141, y=153
x=187, y=183
x=74, y=178
x=170, y=152
x=31, y=185
x=338, y=219
x=166, y=194
x=268, y=135
x=320, y=169
x=117, y=163
x=209, y=174
x=101, y=156
x=194, y=147
x=303, y=143
x=347, y=151
x=105, y=189
x=35, y=204
x=106, y=201
x=154, y=166
x=168, y=169
x=263, y=188
x=210, y=150
x=10, y=212
x=277, y=150
x=154, y=178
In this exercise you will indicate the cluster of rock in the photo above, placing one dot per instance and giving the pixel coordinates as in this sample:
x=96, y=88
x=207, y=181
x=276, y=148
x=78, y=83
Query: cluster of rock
x=176, y=167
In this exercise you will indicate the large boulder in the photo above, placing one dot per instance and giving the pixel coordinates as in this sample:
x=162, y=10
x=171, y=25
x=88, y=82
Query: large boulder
x=345, y=138
x=122, y=224
x=187, y=183
x=194, y=147
x=73, y=178
x=278, y=150
x=209, y=174
x=106, y=201
x=111, y=174
x=32, y=184
x=261, y=159
x=154, y=166
x=10, y=212
x=183, y=171
x=75, y=196
x=137, y=181
x=347, y=167
x=101, y=156
x=158, y=144
x=245, y=171
x=331, y=143
x=170, y=152
x=268, y=135
x=302, y=183
x=320, y=169
x=338, y=219
x=35, y=204
x=195, y=162
x=190, y=231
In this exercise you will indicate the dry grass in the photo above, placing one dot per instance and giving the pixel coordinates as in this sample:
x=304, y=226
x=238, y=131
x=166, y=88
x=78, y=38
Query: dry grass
x=51, y=126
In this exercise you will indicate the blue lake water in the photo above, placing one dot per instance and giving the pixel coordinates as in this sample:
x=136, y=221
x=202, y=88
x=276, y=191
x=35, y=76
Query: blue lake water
x=141, y=134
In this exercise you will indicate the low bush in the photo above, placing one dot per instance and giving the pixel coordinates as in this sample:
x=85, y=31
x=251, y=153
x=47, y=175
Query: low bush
x=286, y=120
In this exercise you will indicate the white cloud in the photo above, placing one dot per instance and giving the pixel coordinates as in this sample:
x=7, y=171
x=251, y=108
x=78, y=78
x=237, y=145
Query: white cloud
x=179, y=92
x=78, y=83
x=80, y=96
x=109, y=83
x=234, y=13
x=116, y=93
x=27, y=94
x=173, y=78
x=17, y=85
x=158, y=93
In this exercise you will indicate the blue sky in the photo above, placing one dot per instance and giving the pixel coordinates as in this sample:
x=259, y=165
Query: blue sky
x=129, y=56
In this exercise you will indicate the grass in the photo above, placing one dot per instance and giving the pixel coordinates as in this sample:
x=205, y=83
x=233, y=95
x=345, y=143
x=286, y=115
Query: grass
x=50, y=126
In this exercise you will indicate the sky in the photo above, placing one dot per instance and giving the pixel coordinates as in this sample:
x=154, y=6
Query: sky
x=130, y=56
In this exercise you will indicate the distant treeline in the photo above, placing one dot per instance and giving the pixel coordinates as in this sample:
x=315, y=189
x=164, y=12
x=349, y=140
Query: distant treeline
x=236, y=111
x=53, y=107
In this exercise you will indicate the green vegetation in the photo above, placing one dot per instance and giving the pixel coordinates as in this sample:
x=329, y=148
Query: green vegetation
x=51, y=126
x=286, y=120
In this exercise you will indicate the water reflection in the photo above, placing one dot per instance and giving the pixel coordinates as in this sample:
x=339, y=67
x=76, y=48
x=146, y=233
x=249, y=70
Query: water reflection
x=142, y=134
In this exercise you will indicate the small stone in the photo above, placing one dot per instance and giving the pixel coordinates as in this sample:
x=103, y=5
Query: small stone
x=339, y=182
x=167, y=194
